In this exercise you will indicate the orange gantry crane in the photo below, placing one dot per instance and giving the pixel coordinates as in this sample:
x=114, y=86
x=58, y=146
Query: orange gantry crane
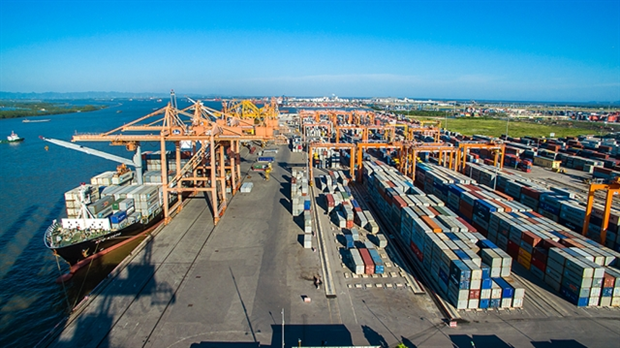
x=214, y=138
x=314, y=146
x=612, y=189
x=499, y=151
x=408, y=156
x=363, y=146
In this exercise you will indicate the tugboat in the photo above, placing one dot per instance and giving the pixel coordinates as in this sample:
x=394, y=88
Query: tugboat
x=13, y=138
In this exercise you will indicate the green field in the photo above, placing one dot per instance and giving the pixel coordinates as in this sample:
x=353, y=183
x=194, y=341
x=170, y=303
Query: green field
x=519, y=128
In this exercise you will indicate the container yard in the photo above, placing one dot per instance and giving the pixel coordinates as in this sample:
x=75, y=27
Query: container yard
x=393, y=231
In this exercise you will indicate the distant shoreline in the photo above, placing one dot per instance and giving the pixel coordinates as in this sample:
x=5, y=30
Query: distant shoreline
x=12, y=109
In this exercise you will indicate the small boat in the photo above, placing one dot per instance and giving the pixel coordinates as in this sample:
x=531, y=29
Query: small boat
x=13, y=138
x=33, y=121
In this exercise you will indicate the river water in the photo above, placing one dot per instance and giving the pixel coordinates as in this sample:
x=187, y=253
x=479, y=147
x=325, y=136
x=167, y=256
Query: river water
x=33, y=180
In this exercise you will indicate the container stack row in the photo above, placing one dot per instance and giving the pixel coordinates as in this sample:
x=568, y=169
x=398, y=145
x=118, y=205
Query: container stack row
x=337, y=195
x=580, y=269
x=111, y=178
x=153, y=177
x=299, y=190
x=470, y=271
x=296, y=144
x=146, y=198
x=558, y=205
x=366, y=260
x=301, y=202
x=73, y=198
x=151, y=160
x=326, y=158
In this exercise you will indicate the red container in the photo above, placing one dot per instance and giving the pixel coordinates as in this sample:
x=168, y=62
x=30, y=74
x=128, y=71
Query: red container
x=350, y=224
x=603, y=170
x=466, y=209
x=608, y=281
x=530, y=192
x=474, y=294
x=330, y=200
x=513, y=249
x=504, y=196
x=539, y=254
x=435, y=212
x=368, y=264
x=416, y=251
x=472, y=188
x=548, y=243
x=530, y=238
x=506, y=208
x=470, y=228
x=569, y=242
x=399, y=202
x=538, y=264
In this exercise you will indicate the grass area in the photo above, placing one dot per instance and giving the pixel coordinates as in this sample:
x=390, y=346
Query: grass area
x=519, y=128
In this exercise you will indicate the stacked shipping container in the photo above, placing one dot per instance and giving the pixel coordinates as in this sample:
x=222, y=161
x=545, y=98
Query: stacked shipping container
x=470, y=271
x=583, y=271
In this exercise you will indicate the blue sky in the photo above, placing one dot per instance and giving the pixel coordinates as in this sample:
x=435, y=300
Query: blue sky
x=506, y=50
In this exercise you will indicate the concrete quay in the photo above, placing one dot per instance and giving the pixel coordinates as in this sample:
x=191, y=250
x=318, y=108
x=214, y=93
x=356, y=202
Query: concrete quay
x=200, y=285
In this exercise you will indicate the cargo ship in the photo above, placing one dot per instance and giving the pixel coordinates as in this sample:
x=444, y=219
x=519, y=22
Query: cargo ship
x=102, y=214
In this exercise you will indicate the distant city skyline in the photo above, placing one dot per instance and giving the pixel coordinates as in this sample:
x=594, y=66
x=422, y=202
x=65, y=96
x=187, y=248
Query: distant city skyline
x=553, y=50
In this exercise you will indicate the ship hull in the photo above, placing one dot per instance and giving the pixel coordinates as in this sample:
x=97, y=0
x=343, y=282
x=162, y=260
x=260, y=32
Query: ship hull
x=74, y=253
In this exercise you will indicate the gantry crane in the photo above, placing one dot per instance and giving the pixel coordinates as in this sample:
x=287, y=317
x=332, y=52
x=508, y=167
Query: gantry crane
x=461, y=158
x=408, y=156
x=313, y=146
x=613, y=188
x=214, y=137
x=360, y=147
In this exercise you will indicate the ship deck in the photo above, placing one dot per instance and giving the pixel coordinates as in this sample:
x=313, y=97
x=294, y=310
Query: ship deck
x=199, y=285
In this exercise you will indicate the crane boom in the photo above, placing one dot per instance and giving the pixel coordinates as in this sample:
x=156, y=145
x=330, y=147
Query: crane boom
x=136, y=162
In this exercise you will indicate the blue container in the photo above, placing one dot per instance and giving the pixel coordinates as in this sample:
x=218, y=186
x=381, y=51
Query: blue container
x=459, y=271
x=572, y=297
x=485, y=243
x=266, y=159
x=507, y=290
x=350, y=241
x=537, y=272
x=376, y=259
x=354, y=203
x=461, y=254
x=495, y=303
x=486, y=271
x=443, y=276
x=455, y=189
x=607, y=292
x=486, y=283
x=118, y=217
x=484, y=303
x=307, y=205
x=557, y=234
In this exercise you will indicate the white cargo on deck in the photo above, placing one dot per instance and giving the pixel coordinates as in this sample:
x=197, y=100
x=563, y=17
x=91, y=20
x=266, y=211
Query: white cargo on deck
x=83, y=224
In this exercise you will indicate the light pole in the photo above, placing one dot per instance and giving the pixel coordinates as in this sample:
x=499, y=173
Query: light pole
x=282, y=327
